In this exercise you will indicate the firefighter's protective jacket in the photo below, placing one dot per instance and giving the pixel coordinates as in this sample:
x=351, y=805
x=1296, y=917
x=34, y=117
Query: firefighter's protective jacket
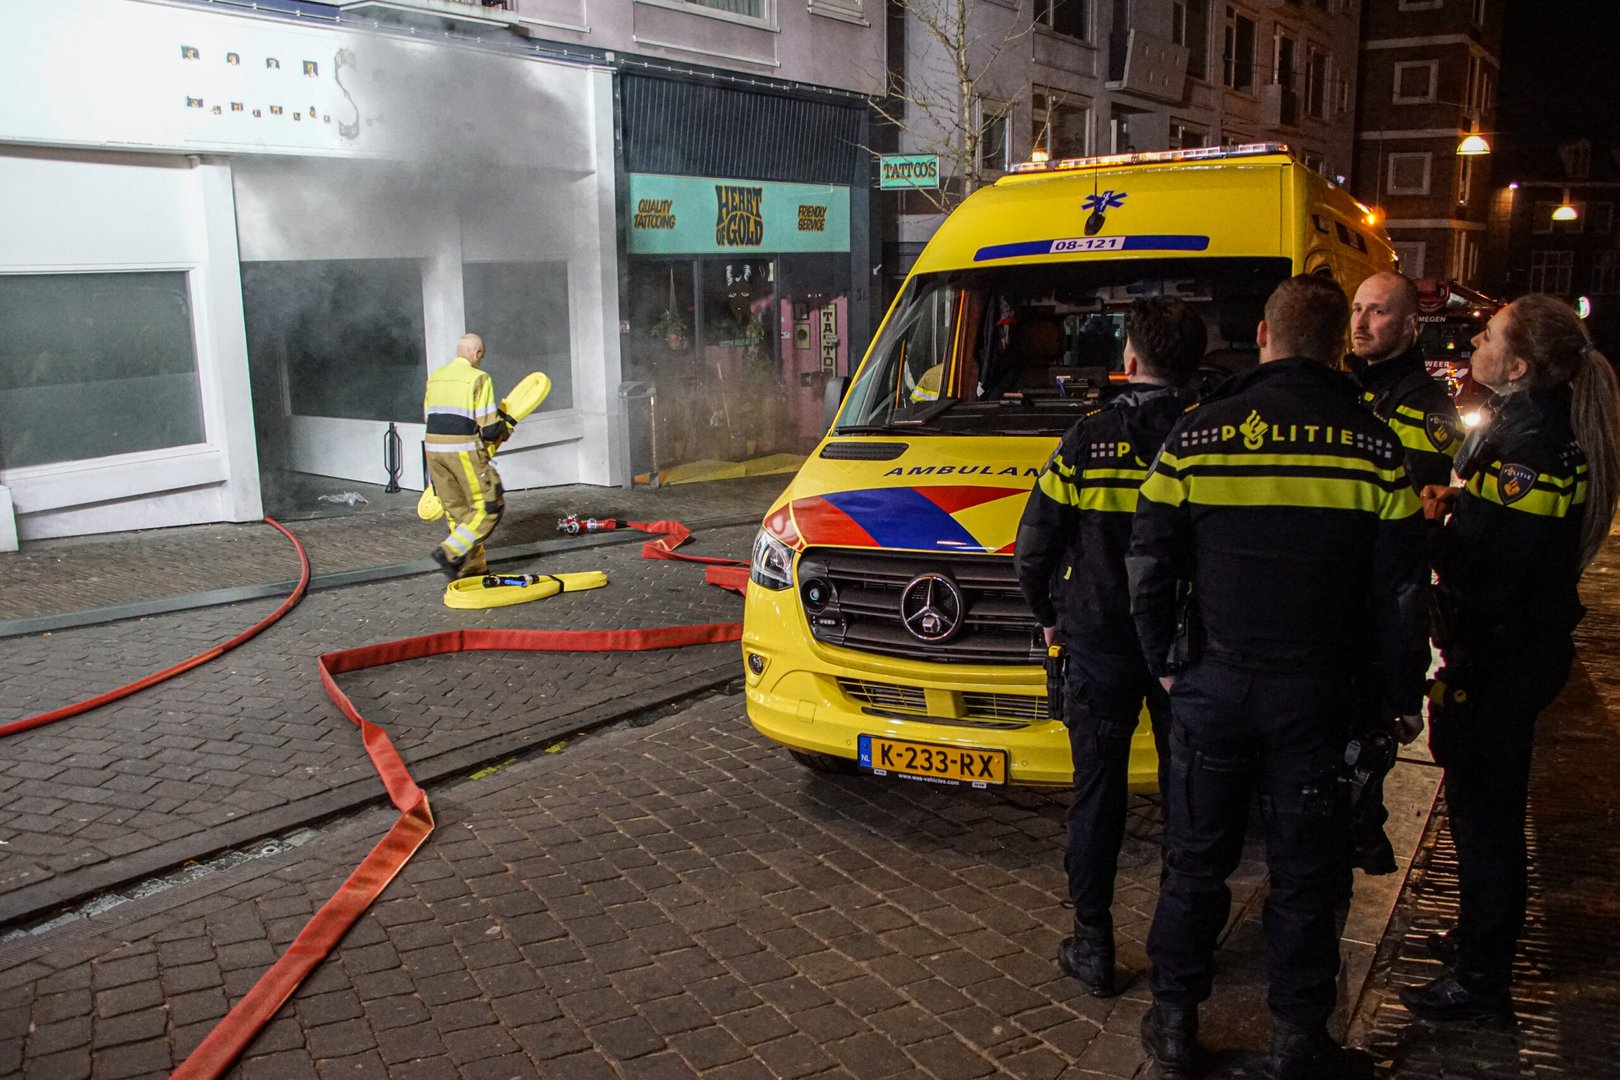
x=1077, y=523
x=1419, y=411
x=459, y=406
x=1509, y=558
x=1285, y=504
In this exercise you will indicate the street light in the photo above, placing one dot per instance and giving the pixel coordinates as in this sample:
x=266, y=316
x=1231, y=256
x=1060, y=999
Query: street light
x=1565, y=211
x=1473, y=145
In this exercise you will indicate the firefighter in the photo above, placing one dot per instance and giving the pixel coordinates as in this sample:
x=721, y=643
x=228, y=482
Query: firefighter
x=463, y=424
x=1541, y=478
x=1071, y=567
x=1281, y=507
x=1389, y=365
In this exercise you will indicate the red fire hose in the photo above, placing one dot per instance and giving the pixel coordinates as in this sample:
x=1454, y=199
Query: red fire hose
x=183, y=666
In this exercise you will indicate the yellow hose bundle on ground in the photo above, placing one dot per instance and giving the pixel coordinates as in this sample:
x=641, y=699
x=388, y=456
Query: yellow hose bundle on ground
x=472, y=592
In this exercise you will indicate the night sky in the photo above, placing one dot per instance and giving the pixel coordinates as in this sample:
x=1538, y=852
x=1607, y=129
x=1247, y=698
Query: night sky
x=1560, y=68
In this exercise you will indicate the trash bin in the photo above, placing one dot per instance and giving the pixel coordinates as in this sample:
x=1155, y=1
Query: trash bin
x=641, y=422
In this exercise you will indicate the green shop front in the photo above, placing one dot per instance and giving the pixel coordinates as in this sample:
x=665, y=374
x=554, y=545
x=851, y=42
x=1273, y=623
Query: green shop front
x=737, y=309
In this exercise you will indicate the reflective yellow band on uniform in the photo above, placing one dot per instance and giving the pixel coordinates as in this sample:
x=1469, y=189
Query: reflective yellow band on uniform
x=1135, y=475
x=1306, y=492
x=1161, y=487
x=1056, y=488
x=1110, y=500
x=460, y=446
x=1545, y=496
x=1360, y=467
x=1412, y=429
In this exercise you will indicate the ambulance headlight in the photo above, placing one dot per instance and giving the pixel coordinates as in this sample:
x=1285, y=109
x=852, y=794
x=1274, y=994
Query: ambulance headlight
x=772, y=564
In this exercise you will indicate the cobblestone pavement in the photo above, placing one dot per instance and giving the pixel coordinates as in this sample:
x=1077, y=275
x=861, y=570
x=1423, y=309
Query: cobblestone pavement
x=673, y=900
x=51, y=576
x=1567, y=975
x=249, y=744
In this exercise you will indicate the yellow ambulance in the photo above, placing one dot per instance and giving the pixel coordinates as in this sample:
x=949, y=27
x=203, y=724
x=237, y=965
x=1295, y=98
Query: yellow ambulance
x=884, y=628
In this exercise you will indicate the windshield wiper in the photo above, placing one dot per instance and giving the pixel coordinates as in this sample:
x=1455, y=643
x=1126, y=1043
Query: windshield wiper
x=916, y=419
x=925, y=413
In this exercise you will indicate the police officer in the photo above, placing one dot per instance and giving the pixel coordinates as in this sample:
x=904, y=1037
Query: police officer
x=1400, y=390
x=1542, y=476
x=1071, y=567
x=463, y=422
x=1284, y=506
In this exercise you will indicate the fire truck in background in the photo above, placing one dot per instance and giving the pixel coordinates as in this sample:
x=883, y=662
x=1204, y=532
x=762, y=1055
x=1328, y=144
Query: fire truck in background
x=1450, y=314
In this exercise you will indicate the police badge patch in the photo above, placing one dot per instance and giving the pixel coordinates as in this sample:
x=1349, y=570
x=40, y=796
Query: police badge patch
x=1514, y=483
x=1438, y=425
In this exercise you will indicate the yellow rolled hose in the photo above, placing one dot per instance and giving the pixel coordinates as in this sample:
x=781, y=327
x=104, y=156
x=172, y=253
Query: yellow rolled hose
x=471, y=592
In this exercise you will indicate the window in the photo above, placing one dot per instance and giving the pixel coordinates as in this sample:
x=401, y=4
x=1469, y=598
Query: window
x=1062, y=127
x=1316, y=76
x=109, y=358
x=754, y=9
x=1411, y=253
x=1465, y=180
x=1415, y=80
x=1550, y=271
x=1314, y=162
x=993, y=132
x=347, y=331
x=1283, y=54
x=1421, y=5
x=1606, y=273
x=1409, y=173
x=1544, y=222
x=521, y=311
x=848, y=10
x=1185, y=136
x=1189, y=27
x=1229, y=139
x=1577, y=158
x=1069, y=17
x=1479, y=12
x=1602, y=218
x=1237, y=56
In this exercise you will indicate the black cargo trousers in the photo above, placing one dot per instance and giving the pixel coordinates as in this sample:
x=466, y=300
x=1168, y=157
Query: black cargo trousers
x=1238, y=732
x=1103, y=695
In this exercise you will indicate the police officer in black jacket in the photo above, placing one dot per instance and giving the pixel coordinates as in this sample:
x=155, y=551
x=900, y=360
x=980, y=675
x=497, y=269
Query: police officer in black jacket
x=1284, y=506
x=1542, y=478
x=1071, y=567
x=1389, y=365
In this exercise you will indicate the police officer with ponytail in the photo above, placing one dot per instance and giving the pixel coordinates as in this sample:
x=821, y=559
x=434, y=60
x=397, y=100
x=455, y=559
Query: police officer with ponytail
x=1541, y=476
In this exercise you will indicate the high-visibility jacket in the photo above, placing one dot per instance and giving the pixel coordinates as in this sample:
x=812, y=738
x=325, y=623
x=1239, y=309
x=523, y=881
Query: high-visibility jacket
x=1077, y=523
x=1284, y=503
x=1509, y=557
x=459, y=406
x=1420, y=412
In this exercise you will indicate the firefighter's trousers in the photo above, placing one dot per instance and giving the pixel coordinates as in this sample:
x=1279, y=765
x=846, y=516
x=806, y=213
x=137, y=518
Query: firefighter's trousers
x=470, y=489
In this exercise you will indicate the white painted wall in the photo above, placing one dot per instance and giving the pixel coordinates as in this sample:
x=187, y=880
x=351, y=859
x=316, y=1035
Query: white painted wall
x=404, y=149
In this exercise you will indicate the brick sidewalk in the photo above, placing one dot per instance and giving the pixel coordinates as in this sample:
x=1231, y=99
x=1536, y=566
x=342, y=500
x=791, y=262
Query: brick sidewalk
x=249, y=745
x=676, y=900
x=52, y=576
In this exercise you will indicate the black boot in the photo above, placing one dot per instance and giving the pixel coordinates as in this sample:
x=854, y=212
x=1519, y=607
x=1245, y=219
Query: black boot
x=450, y=568
x=1442, y=946
x=1459, y=997
x=1089, y=957
x=1170, y=1036
x=1310, y=1054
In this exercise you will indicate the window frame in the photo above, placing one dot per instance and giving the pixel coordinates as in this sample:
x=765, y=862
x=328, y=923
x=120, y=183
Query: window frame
x=1605, y=280
x=1046, y=19
x=1426, y=156
x=1181, y=22
x=1041, y=119
x=1233, y=71
x=767, y=21
x=1557, y=261
x=1401, y=69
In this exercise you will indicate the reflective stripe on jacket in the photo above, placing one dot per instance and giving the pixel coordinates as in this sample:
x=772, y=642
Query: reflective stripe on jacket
x=459, y=407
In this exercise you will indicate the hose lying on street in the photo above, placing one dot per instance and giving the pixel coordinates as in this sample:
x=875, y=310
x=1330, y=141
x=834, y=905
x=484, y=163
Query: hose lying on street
x=504, y=590
x=225, y=1043
x=30, y=722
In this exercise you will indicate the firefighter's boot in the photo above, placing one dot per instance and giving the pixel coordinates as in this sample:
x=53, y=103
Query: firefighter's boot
x=1170, y=1036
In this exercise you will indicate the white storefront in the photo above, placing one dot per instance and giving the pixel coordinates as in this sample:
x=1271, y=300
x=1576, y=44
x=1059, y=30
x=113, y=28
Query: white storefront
x=230, y=242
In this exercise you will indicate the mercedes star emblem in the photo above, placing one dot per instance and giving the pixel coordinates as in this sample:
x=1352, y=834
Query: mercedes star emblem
x=931, y=608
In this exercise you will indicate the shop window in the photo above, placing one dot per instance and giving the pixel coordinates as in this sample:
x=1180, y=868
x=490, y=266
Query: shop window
x=521, y=312
x=1550, y=271
x=1238, y=53
x=1069, y=17
x=93, y=365
x=1409, y=174
x=1062, y=126
x=346, y=335
x=1189, y=27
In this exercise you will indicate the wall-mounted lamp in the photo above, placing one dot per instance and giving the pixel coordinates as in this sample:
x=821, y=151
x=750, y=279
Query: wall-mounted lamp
x=1565, y=211
x=1473, y=146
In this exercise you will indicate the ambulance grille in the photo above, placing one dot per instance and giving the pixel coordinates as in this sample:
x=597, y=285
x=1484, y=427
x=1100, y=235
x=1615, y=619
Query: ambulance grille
x=885, y=697
x=859, y=606
x=1004, y=707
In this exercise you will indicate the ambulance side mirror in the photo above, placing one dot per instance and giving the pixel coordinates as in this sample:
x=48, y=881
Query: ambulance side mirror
x=832, y=396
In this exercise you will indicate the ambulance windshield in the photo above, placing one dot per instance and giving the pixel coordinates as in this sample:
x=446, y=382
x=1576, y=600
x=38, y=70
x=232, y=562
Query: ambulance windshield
x=1021, y=349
